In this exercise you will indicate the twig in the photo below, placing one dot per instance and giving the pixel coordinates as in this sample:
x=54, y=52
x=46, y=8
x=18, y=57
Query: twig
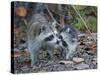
x=52, y=15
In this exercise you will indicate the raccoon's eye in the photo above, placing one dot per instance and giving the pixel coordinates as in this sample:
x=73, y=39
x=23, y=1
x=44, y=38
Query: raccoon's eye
x=64, y=43
x=49, y=38
x=57, y=42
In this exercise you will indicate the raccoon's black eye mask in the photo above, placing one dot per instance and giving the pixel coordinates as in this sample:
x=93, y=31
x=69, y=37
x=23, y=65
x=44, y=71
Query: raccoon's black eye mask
x=49, y=38
x=64, y=43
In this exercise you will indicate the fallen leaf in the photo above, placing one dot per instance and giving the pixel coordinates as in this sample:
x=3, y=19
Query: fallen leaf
x=21, y=11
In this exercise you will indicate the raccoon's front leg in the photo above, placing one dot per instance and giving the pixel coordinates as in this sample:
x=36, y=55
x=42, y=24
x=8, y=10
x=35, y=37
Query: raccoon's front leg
x=34, y=53
x=65, y=53
x=71, y=50
x=68, y=54
x=50, y=51
x=33, y=56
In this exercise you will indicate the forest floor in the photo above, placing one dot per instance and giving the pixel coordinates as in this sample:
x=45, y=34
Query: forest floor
x=84, y=58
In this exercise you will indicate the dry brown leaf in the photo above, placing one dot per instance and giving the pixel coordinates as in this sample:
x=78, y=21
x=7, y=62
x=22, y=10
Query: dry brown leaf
x=21, y=11
x=93, y=47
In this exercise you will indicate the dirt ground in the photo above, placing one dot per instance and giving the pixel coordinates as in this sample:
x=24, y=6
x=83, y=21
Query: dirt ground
x=84, y=58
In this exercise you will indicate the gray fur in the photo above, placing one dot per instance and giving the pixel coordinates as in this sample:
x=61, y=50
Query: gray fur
x=37, y=36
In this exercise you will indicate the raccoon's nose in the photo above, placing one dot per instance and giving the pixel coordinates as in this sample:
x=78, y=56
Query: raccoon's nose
x=57, y=42
x=60, y=37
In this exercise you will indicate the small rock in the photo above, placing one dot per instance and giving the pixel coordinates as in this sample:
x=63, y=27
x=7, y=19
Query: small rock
x=94, y=62
x=15, y=49
x=25, y=68
x=26, y=50
x=49, y=63
x=67, y=62
x=16, y=55
x=22, y=46
x=84, y=54
x=95, y=59
x=60, y=68
x=78, y=60
x=34, y=67
x=82, y=66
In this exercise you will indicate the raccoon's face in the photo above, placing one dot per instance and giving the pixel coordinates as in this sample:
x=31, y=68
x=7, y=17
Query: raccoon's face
x=56, y=40
x=63, y=39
